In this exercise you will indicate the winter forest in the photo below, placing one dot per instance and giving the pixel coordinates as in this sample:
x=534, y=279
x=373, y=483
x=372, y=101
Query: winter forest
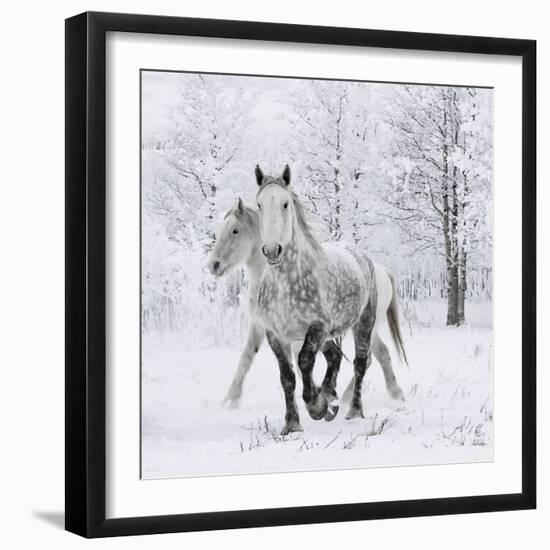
x=401, y=170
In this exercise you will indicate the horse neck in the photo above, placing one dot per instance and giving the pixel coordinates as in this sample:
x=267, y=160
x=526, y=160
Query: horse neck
x=306, y=253
x=256, y=261
x=301, y=255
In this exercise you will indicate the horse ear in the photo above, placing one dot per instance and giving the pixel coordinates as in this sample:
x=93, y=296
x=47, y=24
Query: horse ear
x=286, y=175
x=259, y=174
x=240, y=206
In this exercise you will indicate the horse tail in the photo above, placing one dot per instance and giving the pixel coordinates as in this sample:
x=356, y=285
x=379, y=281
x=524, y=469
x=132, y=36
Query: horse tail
x=393, y=321
x=339, y=340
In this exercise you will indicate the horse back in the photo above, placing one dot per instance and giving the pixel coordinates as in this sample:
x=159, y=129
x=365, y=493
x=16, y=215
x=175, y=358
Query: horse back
x=350, y=281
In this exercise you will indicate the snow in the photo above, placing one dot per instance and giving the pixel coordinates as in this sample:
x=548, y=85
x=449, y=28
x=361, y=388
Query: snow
x=447, y=416
x=404, y=172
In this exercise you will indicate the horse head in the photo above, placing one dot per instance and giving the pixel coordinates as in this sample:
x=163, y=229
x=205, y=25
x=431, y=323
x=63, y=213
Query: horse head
x=235, y=239
x=276, y=207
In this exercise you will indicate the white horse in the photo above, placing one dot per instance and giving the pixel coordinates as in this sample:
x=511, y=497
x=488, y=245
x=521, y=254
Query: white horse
x=314, y=293
x=238, y=243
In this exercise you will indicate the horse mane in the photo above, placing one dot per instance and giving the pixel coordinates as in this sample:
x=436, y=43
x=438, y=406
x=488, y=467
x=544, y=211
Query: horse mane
x=304, y=225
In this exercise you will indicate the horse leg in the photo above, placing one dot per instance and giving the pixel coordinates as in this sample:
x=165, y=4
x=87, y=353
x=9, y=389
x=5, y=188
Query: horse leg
x=288, y=382
x=254, y=340
x=333, y=355
x=382, y=354
x=362, y=334
x=315, y=400
x=348, y=392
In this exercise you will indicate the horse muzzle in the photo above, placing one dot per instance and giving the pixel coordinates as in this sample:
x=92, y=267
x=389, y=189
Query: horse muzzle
x=216, y=268
x=273, y=253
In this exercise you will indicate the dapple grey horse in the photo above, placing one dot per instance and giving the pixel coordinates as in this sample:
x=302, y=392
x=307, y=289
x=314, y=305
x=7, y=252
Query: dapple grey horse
x=314, y=293
x=238, y=244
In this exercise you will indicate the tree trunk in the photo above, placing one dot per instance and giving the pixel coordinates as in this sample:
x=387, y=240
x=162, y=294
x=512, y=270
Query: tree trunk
x=452, y=293
x=461, y=317
x=337, y=225
x=336, y=228
x=454, y=263
x=354, y=226
x=452, y=270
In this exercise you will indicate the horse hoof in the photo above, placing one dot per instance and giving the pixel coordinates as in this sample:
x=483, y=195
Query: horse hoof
x=231, y=403
x=291, y=427
x=318, y=411
x=332, y=411
x=354, y=413
x=397, y=394
x=317, y=407
x=318, y=415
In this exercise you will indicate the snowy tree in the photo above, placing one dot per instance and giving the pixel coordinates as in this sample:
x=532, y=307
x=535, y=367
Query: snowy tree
x=191, y=173
x=204, y=147
x=332, y=135
x=401, y=171
x=441, y=177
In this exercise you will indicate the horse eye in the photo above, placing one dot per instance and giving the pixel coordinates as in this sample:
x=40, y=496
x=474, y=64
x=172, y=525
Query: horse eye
x=286, y=205
x=259, y=207
x=235, y=231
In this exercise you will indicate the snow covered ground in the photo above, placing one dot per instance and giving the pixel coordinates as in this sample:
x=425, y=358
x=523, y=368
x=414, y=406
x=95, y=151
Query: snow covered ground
x=447, y=416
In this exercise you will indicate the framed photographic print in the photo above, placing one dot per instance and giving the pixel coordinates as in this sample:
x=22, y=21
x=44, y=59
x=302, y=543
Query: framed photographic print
x=300, y=274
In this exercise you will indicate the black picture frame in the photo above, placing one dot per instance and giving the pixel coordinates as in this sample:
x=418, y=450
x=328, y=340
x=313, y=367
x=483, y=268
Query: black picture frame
x=85, y=454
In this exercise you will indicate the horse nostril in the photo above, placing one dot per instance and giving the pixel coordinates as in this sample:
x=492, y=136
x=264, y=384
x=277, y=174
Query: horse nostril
x=216, y=265
x=272, y=252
